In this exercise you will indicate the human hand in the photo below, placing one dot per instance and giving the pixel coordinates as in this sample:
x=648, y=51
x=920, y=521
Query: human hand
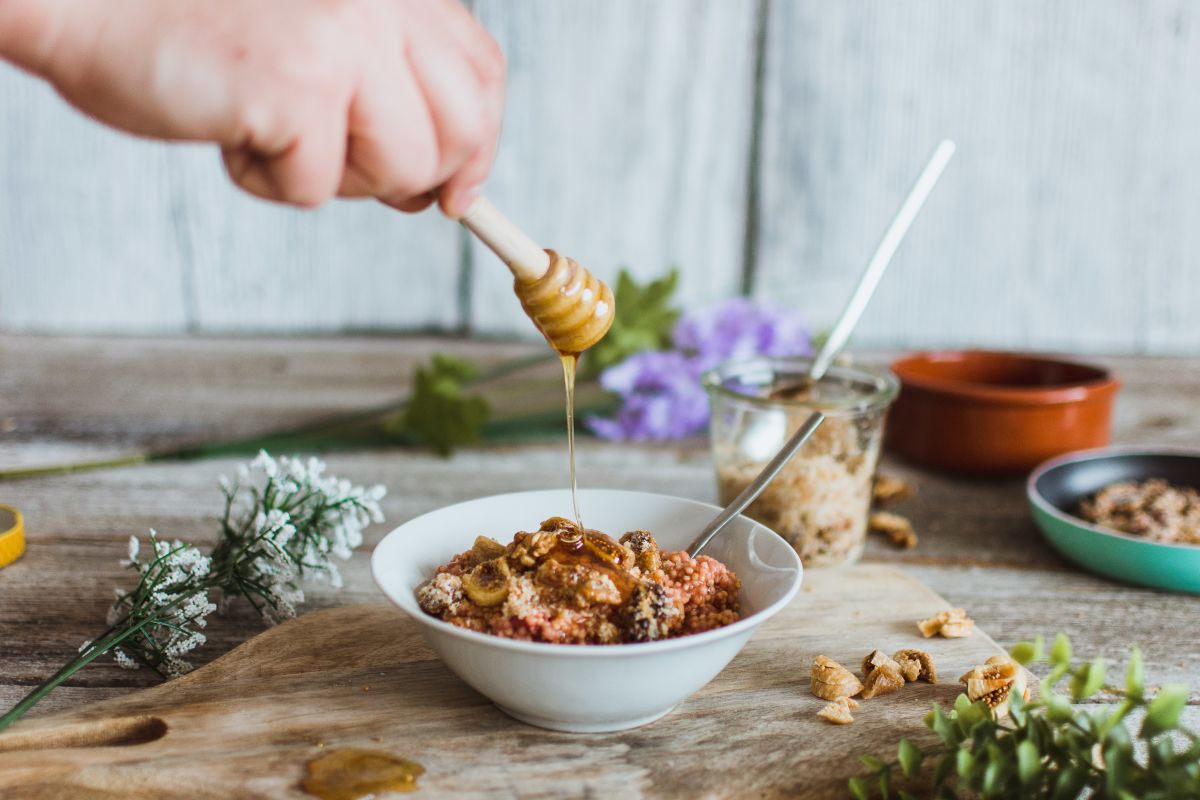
x=395, y=99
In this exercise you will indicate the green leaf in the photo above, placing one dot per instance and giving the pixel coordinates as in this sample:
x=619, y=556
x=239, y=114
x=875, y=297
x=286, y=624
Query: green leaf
x=909, y=756
x=1017, y=708
x=1111, y=726
x=1060, y=653
x=885, y=784
x=441, y=414
x=644, y=320
x=1134, y=675
x=1028, y=652
x=1058, y=708
x=993, y=777
x=964, y=764
x=944, y=727
x=1162, y=714
x=1088, y=680
x=860, y=788
x=872, y=763
x=1029, y=763
x=1070, y=783
x=1051, y=680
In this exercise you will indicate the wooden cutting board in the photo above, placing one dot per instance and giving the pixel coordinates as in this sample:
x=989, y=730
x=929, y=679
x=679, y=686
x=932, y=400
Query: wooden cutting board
x=245, y=725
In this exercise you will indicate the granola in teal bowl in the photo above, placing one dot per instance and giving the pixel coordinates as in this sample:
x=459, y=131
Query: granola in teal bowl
x=1057, y=488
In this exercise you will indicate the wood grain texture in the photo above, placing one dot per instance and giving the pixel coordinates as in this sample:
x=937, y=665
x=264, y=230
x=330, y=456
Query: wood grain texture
x=363, y=676
x=625, y=141
x=1061, y=223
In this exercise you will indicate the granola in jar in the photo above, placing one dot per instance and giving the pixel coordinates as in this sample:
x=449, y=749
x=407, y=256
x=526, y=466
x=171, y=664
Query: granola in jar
x=821, y=499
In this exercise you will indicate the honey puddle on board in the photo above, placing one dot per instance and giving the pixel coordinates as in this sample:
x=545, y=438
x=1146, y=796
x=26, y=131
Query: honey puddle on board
x=353, y=772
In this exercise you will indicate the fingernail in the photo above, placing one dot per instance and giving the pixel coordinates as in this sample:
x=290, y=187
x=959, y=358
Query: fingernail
x=465, y=199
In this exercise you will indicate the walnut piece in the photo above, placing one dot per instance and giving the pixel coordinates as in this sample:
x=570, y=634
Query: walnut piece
x=898, y=529
x=883, y=675
x=952, y=624
x=995, y=681
x=891, y=490
x=830, y=680
x=916, y=665
x=878, y=658
x=838, y=712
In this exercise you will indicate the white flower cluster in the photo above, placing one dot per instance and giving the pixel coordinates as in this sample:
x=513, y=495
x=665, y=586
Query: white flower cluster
x=332, y=513
x=285, y=519
x=171, y=598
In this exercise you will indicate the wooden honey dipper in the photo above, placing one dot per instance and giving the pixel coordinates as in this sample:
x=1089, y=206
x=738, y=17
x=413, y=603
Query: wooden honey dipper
x=571, y=307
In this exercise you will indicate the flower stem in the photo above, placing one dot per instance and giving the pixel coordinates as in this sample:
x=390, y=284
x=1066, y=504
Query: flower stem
x=111, y=639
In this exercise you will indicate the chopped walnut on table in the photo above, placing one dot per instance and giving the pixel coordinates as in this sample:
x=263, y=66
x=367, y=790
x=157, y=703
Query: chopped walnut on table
x=915, y=665
x=952, y=624
x=891, y=490
x=898, y=529
x=838, y=712
x=995, y=681
x=830, y=680
x=882, y=675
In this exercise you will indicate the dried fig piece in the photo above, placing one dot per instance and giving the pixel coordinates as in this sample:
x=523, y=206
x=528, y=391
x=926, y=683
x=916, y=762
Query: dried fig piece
x=995, y=681
x=487, y=584
x=952, y=624
x=878, y=658
x=888, y=489
x=830, y=680
x=898, y=529
x=882, y=680
x=485, y=549
x=838, y=712
x=915, y=665
x=645, y=550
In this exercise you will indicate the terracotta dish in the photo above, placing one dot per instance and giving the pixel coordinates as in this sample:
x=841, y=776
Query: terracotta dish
x=997, y=413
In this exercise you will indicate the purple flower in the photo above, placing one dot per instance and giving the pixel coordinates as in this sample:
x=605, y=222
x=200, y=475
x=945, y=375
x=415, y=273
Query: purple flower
x=741, y=328
x=661, y=395
x=661, y=398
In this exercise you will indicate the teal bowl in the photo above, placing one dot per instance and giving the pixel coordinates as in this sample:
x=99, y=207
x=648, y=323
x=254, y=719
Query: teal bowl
x=1055, y=488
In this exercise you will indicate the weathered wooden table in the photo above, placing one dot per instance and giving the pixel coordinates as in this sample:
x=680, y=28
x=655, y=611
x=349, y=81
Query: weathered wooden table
x=64, y=399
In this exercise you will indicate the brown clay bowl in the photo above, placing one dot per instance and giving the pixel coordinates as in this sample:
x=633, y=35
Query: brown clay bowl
x=997, y=413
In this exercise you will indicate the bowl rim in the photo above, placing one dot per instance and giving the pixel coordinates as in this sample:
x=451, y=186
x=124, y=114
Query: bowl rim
x=744, y=625
x=1055, y=394
x=1036, y=498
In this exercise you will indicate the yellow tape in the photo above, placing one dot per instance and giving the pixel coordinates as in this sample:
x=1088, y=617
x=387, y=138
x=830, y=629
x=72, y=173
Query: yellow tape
x=12, y=535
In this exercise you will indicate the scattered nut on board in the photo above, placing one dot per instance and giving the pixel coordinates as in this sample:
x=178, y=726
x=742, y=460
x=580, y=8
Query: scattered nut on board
x=995, y=681
x=915, y=665
x=838, y=712
x=952, y=624
x=830, y=680
x=888, y=489
x=897, y=528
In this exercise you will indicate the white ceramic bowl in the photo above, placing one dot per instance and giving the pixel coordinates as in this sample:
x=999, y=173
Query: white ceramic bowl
x=587, y=688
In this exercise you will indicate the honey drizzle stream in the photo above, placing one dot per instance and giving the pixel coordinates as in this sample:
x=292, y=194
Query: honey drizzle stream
x=569, y=363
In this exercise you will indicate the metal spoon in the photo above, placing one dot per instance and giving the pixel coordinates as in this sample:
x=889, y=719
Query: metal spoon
x=838, y=336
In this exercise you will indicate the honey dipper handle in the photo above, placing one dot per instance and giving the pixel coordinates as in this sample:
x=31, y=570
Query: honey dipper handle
x=524, y=258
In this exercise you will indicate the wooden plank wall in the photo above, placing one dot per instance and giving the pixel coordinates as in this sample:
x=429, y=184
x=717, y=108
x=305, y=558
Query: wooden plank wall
x=761, y=146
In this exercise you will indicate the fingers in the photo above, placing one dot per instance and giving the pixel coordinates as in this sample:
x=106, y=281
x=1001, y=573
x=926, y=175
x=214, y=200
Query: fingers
x=454, y=74
x=303, y=169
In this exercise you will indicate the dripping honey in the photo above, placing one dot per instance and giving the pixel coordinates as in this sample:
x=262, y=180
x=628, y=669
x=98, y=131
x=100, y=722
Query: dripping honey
x=569, y=363
x=351, y=773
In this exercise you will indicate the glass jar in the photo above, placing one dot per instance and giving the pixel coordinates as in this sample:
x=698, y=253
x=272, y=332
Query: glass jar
x=820, y=500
